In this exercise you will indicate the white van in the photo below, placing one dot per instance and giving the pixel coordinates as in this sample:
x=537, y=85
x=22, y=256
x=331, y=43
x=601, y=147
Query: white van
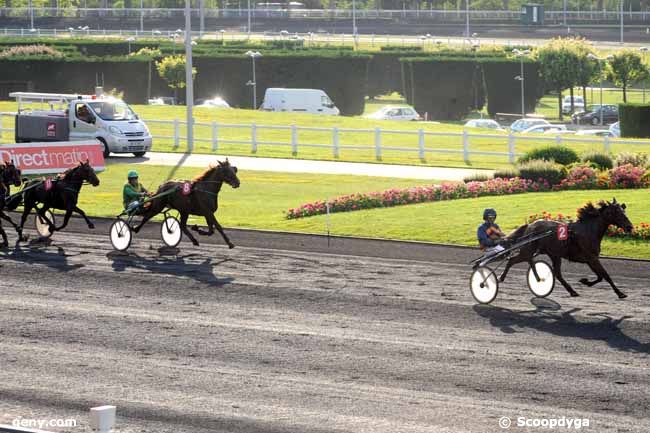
x=313, y=101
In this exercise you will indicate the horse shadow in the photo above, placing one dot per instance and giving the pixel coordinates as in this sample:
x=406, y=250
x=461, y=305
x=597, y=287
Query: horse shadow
x=546, y=317
x=176, y=265
x=41, y=254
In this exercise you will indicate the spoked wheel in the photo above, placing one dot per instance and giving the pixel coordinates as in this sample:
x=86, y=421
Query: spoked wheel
x=484, y=285
x=546, y=283
x=170, y=231
x=42, y=227
x=121, y=235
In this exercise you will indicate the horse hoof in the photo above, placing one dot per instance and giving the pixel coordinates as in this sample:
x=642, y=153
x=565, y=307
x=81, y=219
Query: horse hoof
x=91, y=226
x=622, y=295
x=231, y=246
x=4, y=245
x=584, y=281
x=574, y=294
x=194, y=228
x=23, y=238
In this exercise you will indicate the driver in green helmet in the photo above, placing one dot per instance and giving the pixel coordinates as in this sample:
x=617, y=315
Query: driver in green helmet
x=133, y=193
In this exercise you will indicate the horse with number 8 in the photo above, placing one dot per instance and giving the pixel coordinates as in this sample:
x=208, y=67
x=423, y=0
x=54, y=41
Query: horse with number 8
x=197, y=197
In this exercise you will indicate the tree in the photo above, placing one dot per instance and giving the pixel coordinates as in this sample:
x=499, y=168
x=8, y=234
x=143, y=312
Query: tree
x=588, y=69
x=172, y=70
x=559, y=66
x=625, y=68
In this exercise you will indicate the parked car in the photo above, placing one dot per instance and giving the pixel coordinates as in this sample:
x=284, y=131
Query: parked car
x=313, y=101
x=615, y=129
x=213, y=103
x=578, y=104
x=592, y=116
x=394, y=113
x=595, y=132
x=525, y=123
x=484, y=123
x=162, y=100
x=546, y=129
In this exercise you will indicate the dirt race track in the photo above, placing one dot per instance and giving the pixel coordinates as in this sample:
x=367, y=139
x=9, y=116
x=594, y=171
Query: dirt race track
x=268, y=340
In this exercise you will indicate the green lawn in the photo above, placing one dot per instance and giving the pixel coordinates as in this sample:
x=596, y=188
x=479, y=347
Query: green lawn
x=263, y=197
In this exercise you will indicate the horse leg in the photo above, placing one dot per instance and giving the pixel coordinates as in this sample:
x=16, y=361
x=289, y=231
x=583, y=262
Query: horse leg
x=149, y=213
x=83, y=214
x=598, y=279
x=66, y=219
x=557, y=270
x=6, y=218
x=202, y=232
x=602, y=273
x=220, y=230
x=5, y=241
x=188, y=233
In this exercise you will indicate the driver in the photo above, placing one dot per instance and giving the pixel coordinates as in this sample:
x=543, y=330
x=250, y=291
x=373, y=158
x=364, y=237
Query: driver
x=134, y=193
x=83, y=113
x=489, y=234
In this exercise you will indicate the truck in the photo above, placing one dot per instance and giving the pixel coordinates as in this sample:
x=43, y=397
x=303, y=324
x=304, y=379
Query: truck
x=313, y=101
x=72, y=117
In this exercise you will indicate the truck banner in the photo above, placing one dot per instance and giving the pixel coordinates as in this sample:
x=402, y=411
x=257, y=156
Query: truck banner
x=43, y=158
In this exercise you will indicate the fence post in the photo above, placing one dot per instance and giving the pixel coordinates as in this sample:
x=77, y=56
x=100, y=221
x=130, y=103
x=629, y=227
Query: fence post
x=466, y=146
x=176, y=133
x=335, y=142
x=511, y=148
x=253, y=138
x=421, y=144
x=215, y=131
x=378, y=144
x=294, y=140
x=606, y=144
x=190, y=146
x=558, y=139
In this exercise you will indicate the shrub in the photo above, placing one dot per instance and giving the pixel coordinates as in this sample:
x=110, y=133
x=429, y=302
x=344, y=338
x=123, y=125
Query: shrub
x=601, y=161
x=579, y=177
x=506, y=173
x=30, y=50
x=477, y=177
x=626, y=176
x=539, y=170
x=560, y=154
x=635, y=120
x=634, y=159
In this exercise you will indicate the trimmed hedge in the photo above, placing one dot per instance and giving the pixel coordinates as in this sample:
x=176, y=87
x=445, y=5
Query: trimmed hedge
x=503, y=91
x=635, y=120
x=539, y=170
x=560, y=154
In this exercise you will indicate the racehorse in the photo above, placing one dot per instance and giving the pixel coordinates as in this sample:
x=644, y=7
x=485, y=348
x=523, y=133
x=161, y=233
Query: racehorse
x=9, y=175
x=200, y=198
x=582, y=245
x=62, y=193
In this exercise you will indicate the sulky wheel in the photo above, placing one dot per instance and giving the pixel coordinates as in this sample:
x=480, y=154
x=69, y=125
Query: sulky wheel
x=42, y=227
x=484, y=285
x=544, y=286
x=121, y=235
x=170, y=231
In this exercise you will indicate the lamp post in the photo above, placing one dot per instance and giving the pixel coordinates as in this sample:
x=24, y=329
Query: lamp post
x=253, y=55
x=521, y=54
x=141, y=15
x=189, y=80
x=249, y=19
x=645, y=78
x=622, y=25
x=467, y=18
x=129, y=40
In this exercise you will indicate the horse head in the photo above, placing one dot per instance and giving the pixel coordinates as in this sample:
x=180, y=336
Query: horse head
x=614, y=214
x=11, y=174
x=228, y=173
x=87, y=173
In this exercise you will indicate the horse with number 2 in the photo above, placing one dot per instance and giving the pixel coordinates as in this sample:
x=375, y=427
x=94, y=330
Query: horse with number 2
x=575, y=241
x=200, y=196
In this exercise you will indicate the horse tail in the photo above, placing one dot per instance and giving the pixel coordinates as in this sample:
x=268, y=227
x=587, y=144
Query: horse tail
x=517, y=233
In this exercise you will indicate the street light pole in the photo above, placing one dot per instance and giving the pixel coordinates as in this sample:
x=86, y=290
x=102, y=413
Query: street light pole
x=645, y=78
x=467, y=18
x=354, y=20
x=141, y=15
x=622, y=25
x=253, y=55
x=249, y=19
x=521, y=78
x=31, y=14
x=189, y=81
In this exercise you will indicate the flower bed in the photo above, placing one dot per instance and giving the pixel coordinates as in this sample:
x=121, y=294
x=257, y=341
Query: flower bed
x=396, y=197
x=641, y=231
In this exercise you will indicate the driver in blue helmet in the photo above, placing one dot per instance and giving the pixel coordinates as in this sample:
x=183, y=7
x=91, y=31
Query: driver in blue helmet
x=489, y=234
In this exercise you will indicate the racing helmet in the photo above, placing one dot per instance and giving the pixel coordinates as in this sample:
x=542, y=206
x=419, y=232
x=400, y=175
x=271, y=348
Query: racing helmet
x=132, y=174
x=489, y=213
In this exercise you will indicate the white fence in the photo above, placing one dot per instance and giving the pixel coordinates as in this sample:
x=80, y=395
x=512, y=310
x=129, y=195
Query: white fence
x=422, y=144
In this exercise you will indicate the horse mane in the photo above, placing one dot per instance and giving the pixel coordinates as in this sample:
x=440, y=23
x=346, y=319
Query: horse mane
x=589, y=211
x=207, y=171
x=66, y=174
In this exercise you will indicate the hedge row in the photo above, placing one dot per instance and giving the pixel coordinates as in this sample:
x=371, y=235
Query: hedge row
x=635, y=120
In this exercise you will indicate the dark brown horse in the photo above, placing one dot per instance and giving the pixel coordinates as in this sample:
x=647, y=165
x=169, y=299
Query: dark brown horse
x=582, y=245
x=63, y=194
x=201, y=198
x=9, y=175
